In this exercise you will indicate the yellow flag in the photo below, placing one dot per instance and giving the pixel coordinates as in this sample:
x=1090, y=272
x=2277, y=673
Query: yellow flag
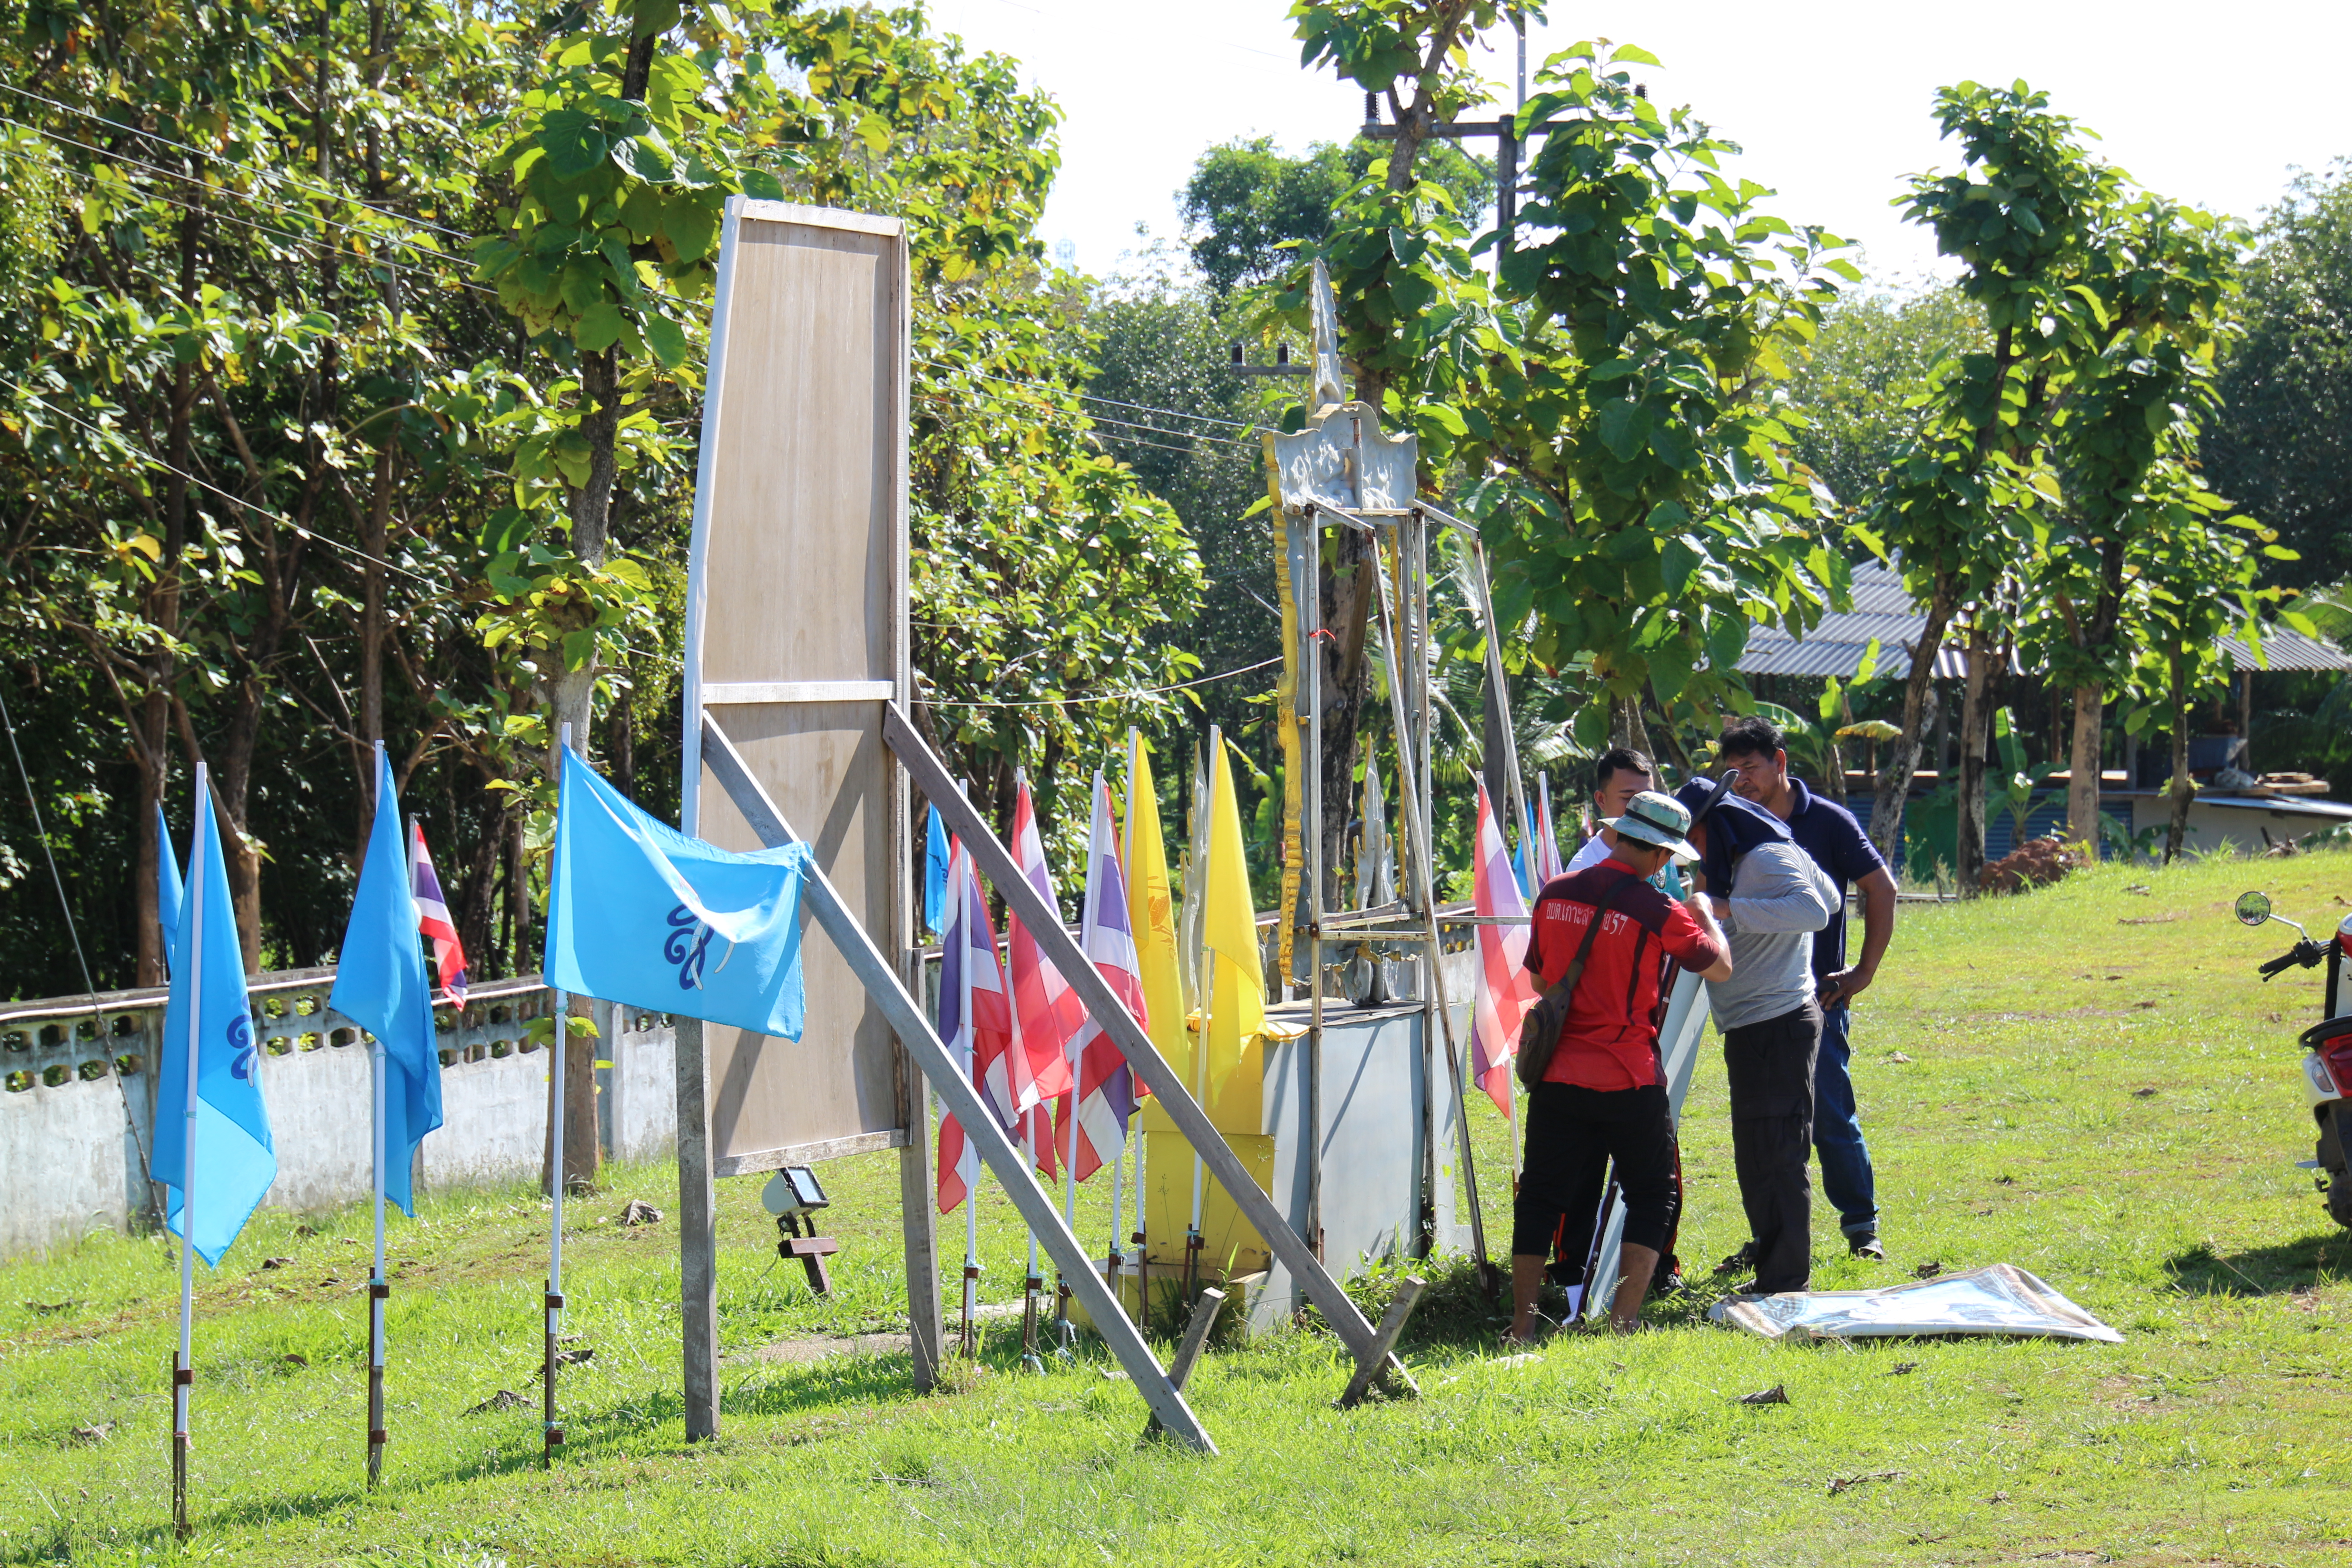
x=1152, y=915
x=1229, y=926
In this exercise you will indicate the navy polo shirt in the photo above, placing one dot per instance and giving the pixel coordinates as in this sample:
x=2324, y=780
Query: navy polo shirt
x=1827, y=831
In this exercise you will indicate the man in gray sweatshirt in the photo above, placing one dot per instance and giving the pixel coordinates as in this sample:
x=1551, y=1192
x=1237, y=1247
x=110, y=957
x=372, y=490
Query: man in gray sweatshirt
x=1770, y=897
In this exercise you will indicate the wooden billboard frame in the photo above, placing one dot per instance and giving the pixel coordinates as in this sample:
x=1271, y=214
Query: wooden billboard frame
x=797, y=629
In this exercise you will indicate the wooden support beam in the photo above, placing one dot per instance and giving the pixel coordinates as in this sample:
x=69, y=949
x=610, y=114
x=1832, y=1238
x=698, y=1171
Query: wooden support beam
x=1196, y=1340
x=1391, y=1325
x=956, y=1091
x=1103, y=1005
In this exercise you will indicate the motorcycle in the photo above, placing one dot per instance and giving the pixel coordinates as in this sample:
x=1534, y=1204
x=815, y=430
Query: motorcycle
x=2327, y=1050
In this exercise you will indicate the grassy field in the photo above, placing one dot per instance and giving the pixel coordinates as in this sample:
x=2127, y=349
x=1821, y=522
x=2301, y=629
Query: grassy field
x=2088, y=1082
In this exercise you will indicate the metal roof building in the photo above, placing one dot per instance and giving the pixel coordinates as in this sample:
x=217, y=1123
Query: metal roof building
x=1882, y=610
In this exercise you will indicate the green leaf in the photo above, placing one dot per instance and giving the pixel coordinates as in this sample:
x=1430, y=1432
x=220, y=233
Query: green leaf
x=1628, y=55
x=1624, y=428
x=762, y=186
x=666, y=338
x=599, y=327
x=504, y=530
x=573, y=141
x=691, y=226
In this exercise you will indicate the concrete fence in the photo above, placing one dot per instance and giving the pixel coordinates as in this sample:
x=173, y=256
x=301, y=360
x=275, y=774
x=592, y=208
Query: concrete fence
x=78, y=1099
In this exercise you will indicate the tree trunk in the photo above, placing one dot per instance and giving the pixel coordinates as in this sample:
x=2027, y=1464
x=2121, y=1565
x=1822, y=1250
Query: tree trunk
x=1976, y=725
x=375, y=531
x=2183, y=788
x=1903, y=752
x=2082, y=786
x=1346, y=674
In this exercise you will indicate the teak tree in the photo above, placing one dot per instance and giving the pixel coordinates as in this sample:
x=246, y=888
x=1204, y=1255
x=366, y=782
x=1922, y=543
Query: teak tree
x=1962, y=499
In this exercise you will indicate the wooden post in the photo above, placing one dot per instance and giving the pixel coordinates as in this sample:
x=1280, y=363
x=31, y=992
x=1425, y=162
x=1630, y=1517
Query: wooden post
x=919, y=1227
x=1391, y=1325
x=957, y=1092
x=1111, y=1016
x=1414, y=807
x=1196, y=1340
x=697, y=1234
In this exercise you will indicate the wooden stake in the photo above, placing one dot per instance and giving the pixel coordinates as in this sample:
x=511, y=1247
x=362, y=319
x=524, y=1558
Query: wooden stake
x=1196, y=1340
x=1391, y=1325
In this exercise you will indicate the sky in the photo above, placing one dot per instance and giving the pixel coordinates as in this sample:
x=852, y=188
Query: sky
x=1831, y=99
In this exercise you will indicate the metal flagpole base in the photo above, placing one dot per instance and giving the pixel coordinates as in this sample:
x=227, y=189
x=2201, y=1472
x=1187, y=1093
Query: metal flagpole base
x=379, y=1293
x=181, y=1378
x=554, y=1428
x=1030, y=1360
x=967, y=1344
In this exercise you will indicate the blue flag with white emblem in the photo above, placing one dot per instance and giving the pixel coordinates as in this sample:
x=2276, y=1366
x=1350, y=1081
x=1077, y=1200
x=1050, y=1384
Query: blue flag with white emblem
x=380, y=985
x=221, y=1156
x=935, y=871
x=640, y=913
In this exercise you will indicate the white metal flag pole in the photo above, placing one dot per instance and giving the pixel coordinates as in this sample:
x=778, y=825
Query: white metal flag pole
x=970, y=1259
x=1029, y=1360
x=554, y=1431
x=378, y=1288
x=1194, y=1240
x=184, y=1374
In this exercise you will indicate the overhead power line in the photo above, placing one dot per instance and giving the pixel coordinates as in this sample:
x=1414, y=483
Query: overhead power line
x=254, y=169
x=1115, y=695
x=299, y=531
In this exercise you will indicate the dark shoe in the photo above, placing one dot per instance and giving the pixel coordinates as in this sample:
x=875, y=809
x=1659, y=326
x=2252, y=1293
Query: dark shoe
x=1865, y=1246
x=1743, y=1258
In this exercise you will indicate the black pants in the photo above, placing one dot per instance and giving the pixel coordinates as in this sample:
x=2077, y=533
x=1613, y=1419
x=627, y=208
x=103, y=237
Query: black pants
x=1573, y=1133
x=1770, y=1066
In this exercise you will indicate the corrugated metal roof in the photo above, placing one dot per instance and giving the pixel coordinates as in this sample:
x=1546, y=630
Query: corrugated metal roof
x=2283, y=648
x=1882, y=610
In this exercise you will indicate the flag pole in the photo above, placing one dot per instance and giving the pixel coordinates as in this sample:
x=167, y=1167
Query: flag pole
x=1192, y=1239
x=183, y=1376
x=553, y=1429
x=970, y=1261
x=379, y=1290
x=1029, y=1361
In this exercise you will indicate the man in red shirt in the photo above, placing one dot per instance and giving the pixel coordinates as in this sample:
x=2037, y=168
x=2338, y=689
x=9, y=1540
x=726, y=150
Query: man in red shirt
x=1602, y=1097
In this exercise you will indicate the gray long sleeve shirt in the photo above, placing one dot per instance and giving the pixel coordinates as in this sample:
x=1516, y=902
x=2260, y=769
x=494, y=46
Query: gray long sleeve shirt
x=1779, y=898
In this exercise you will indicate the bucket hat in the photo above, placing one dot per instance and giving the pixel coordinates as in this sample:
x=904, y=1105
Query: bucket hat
x=1660, y=819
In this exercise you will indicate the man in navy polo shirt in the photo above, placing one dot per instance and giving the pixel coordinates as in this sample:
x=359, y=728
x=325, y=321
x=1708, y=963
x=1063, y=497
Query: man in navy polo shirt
x=1829, y=833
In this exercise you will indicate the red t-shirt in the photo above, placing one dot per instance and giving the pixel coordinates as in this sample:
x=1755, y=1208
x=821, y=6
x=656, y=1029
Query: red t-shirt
x=1610, y=1039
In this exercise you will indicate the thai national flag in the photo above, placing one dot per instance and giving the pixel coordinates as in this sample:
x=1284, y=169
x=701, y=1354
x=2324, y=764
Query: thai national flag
x=1504, y=990
x=976, y=1020
x=1106, y=1088
x=1048, y=1012
x=433, y=917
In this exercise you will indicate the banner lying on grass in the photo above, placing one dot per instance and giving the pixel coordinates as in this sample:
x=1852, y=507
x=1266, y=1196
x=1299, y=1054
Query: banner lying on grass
x=1999, y=1299
x=637, y=907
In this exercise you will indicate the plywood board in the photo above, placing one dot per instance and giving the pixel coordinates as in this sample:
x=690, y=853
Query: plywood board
x=797, y=628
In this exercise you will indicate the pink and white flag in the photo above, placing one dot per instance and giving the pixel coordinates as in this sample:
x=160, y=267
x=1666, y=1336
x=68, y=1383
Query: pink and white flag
x=1107, y=1089
x=1548, y=864
x=433, y=917
x=1048, y=1014
x=976, y=1020
x=1506, y=990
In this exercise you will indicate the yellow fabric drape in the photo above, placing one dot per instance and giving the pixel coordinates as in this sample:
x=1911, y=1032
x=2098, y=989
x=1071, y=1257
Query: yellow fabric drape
x=1151, y=916
x=1229, y=930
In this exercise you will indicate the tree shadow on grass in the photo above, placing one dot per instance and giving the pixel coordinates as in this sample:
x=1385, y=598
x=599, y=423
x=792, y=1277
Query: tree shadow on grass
x=2263, y=1271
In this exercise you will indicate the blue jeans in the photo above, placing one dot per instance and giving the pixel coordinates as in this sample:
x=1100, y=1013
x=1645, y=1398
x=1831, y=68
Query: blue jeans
x=1847, y=1183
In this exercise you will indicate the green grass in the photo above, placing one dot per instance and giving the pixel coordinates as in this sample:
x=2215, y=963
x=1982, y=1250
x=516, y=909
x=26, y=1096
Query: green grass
x=2017, y=1131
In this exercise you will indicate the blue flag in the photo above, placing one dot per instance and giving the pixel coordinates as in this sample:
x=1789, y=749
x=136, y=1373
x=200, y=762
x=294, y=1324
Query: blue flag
x=380, y=985
x=234, y=1161
x=640, y=913
x=935, y=871
x=170, y=894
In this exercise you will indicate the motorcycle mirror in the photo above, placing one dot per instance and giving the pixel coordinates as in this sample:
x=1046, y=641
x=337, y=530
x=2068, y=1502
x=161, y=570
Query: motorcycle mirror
x=2253, y=908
